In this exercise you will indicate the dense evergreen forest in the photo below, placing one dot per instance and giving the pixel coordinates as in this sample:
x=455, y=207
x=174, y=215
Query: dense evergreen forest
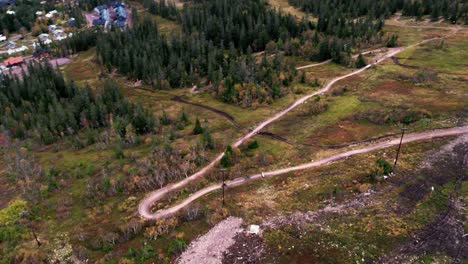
x=24, y=16
x=217, y=44
x=143, y=53
x=80, y=41
x=452, y=10
x=42, y=105
x=219, y=39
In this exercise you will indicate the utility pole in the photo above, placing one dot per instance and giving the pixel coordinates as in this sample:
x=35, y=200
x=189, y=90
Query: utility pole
x=403, y=129
x=224, y=184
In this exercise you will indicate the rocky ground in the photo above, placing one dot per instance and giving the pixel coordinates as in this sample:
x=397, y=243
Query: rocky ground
x=247, y=249
x=209, y=248
x=445, y=234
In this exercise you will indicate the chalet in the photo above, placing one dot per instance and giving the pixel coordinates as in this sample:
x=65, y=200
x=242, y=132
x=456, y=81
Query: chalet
x=57, y=32
x=60, y=37
x=99, y=9
x=43, y=37
x=105, y=15
x=13, y=61
x=42, y=54
x=71, y=22
x=16, y=50
x=51, y=14
x=52, y=27
x=120, y=13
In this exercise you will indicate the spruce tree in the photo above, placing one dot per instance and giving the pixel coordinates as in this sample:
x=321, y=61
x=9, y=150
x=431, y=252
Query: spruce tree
x=198, y=128
x=360, y=62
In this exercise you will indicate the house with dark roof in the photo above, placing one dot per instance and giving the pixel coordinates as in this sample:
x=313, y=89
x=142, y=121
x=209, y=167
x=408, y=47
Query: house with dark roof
x=120, y=13
x=42, y=54
x=98, y=9
x=71, y=22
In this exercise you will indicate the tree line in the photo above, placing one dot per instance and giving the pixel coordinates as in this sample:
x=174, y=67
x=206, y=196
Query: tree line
x=176, y=61
x=42, y=105
x=451, y=10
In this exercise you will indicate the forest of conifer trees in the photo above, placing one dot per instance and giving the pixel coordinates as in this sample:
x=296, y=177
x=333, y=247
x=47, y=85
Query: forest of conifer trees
x=42, y=105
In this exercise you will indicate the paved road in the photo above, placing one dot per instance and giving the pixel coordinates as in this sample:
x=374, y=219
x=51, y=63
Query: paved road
x=239, y=181
x=144, y=208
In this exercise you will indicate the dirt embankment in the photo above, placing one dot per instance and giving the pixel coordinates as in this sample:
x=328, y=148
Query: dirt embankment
x=217, y=111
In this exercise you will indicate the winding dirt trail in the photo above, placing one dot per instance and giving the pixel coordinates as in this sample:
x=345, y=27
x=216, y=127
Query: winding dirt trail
x=324, y=161
x=144, y=208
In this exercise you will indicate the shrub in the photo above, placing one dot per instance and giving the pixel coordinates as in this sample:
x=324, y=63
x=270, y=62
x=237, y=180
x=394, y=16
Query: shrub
x=361, y=62
x=177, y=245
x=253, y=145
x=118, y=152
x=197, y=130
x=381, y=168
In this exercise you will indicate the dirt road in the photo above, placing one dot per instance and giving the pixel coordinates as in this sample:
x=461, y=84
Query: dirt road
x=239, y=181
x=144, y=208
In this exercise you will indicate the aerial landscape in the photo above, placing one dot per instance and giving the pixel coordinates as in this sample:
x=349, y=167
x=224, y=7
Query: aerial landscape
x=233, y=131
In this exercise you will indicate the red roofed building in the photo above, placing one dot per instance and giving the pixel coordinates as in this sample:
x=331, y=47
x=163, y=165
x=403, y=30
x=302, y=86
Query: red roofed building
x=13, y=61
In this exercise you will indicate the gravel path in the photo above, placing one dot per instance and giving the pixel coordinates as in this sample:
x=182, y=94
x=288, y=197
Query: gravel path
x=209, y=248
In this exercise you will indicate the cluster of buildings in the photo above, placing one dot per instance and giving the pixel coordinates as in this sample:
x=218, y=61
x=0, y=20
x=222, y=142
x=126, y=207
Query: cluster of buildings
x=18, y=61
x=113, y=14
x=57, y=34
x=11, y=46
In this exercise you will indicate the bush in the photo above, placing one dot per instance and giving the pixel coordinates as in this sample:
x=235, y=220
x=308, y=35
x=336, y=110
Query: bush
x=118, y=152
x=361, y=62
x=381, y=168
x=177, y=245
x=253, y=145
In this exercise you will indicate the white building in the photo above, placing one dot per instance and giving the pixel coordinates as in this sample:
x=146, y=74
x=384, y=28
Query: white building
x=51, y=13
x=20, y=49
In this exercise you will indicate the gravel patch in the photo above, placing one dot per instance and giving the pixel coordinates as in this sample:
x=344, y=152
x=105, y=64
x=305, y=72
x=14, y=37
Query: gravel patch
x=209, y=248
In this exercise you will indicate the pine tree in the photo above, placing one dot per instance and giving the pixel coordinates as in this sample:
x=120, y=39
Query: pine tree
x=360, y=62
x=198, y=128
x=207, y=140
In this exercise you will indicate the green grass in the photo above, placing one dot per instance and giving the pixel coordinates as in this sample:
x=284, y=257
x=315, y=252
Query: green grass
x=298, y=127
